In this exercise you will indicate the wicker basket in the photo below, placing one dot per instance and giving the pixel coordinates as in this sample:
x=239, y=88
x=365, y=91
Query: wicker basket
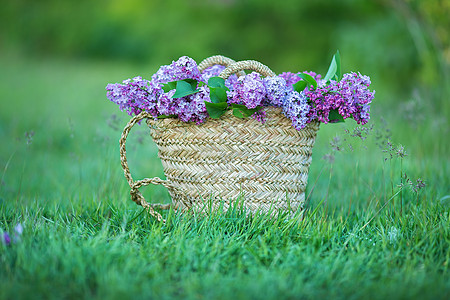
x=225, y=159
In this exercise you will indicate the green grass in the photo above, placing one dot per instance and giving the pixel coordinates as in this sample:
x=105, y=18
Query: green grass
x=84, y=238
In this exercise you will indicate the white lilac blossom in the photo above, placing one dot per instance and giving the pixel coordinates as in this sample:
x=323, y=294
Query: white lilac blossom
x=249, y=90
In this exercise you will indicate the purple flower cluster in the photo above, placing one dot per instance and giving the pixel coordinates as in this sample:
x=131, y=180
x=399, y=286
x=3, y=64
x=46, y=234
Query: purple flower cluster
x=252, y=91
x=135, y=95
x=188, y=109
x=290, y=78
x=249, y=90
x=139, y=95
x=350, y=97
x=215, y=71
x=184, y=68
x=296, y=108
x=276, y=90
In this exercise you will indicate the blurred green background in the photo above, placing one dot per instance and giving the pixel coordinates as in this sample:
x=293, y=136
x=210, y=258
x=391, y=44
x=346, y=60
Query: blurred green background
x=402, y=44
x=56, y=58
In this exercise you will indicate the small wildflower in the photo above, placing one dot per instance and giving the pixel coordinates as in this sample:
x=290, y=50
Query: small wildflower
x=336, y=143
x=401, y=152
x=417, y=186
x=6, y=239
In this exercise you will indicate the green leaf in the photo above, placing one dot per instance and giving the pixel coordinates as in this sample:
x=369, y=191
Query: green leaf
x=335, y=117
x=184, y=88
x=217, y=95
x=192, y=82
x=216, y=110
x=241, y=111
x=299, y=86
x=309, y=79
x=338, y=65
x=169, y=86
x=166, y=116
x=334, y=71
x=217, y=82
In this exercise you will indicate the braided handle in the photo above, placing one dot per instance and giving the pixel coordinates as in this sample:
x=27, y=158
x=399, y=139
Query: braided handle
x=216, y=60
x=136, y=195
x=247, y=65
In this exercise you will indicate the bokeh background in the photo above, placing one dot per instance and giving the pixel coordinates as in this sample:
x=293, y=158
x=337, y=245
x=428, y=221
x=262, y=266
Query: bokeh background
x=402, y=44
x=56, y=57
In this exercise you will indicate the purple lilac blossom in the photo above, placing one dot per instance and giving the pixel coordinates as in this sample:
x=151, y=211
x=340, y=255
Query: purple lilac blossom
x=184, y=68
x=276, y=89
x=211, y=72
x=296, y=108
x=133, y=95
x=166, y=104
x=215, y=71
x=260, y=116
x=350, y=97
x=291, y=78
x=197, y=108
x=249, y=90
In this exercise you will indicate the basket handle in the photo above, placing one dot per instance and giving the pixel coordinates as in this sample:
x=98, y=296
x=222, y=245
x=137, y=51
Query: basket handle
x=216, y=60
x=247, y=65
x=136, y=195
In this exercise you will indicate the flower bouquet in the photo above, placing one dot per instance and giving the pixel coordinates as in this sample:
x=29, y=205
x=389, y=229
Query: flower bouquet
x=224, y=134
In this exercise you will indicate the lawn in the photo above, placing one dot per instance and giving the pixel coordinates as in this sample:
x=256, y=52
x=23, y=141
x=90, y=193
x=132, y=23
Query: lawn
x=366, y=233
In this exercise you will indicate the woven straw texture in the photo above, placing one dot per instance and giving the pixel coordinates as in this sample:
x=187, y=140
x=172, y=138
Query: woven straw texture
x=222, y=160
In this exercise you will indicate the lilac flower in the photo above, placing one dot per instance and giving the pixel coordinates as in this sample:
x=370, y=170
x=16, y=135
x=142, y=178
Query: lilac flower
x=215, y=71
x=276, y=89
x=260, y=116
x=356, y=88
x=290, y=78
x=296, y=108
x=211, y=72
x=197, y=106
x=350, y=97
x=166, y=104
x=293, y=78
x=135, y=95
x=188, y=109
x=184, y=68
x=249, y=90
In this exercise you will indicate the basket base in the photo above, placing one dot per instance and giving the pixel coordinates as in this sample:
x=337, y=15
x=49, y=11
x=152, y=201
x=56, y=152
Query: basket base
x=253, y=206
